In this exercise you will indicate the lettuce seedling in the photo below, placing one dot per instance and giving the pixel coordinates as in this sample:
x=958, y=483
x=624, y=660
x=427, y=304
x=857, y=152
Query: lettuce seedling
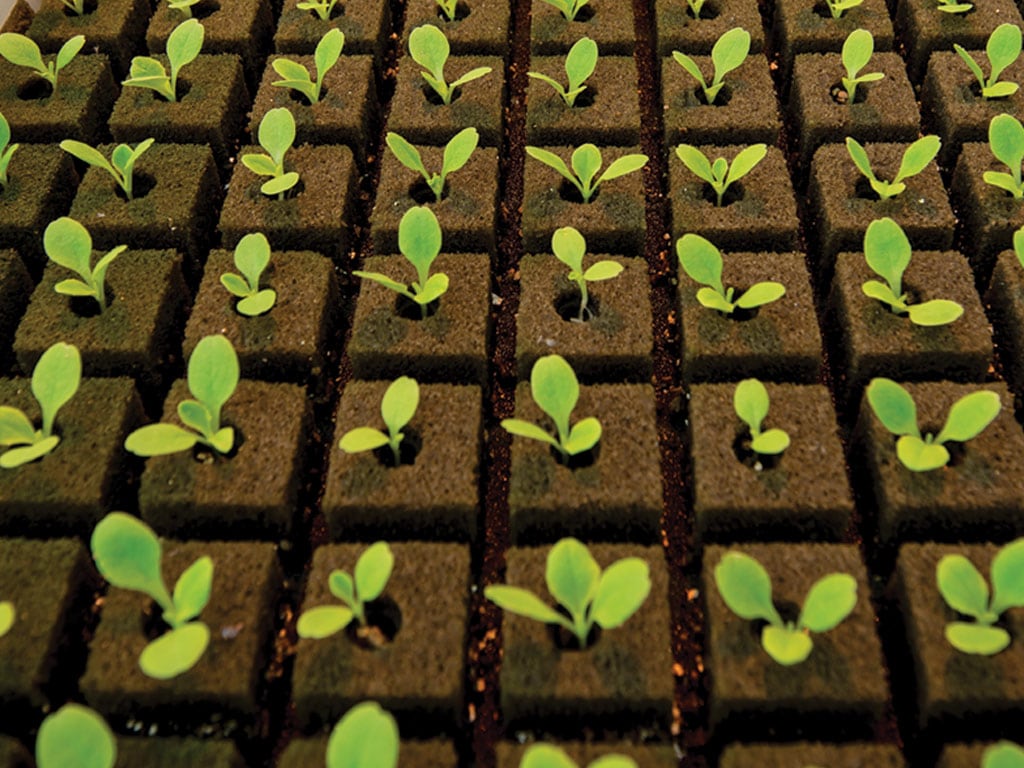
x=296, y=76
x=746, y=589
x=548, y=756
x=183, y=45
x=419, y=240
x=915, y=159
x=448, y=8
x=952, y=6
x=589, y=595
x=7, y=149
x=1006, y=140
x=367, y=735
x=397, y=408
x=586, y=162
x=1002, y=49
x=127, y=554
x=322, y=8
x=965, y=591
x=456, y=154
x=555, y=390
x=720, y=174
x=75, y=6
x=75, y=737
x=750, y=401
x=895, y=408
x=54, y=382
x=695, y=6
x=252, y=254
x=579, y=65
x=702, y=262
x=568, y=8
x=23, y=52
x=212, y=378
x=838, y=7
x=429, y=48
x=276, y=135
x=887, y=252
x=1003, y=754
x=185, y=6
x=6, y=617
x=569, y=247
x=69, y=244
x=121, y=164
x=364, y=585
x=728, y=53
x=857, y=50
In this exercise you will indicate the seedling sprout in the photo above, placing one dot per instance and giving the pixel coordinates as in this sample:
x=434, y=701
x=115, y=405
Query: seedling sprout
x=548, y=756
x=7, y=149
x=456, y=154
x=276, y=135
x=55, y=381
x=7, y=616
x=728, y=53
x=1006, y=140
x=183, y=45
x=364, y=585
x=75, y=737
x=121, y=164
x=296, y=76
x=746, y=589
x=857, y=50
x=750, y=401
x=185, y=6
x=838, y=7
x=1003, y=754
x=591, y=596
x=579, y=65
x=1002, y=49
x=69, y=244
x=721, y=174
x=952, y=6
x=702, y=262
x=322, y=8
x=366, y=736
x=695, y=6
x=915, y=159
x=397, y=408
x=252, y=254
x=895, y=408
x=568, y=8
x=76, y=6
x=22, y=51
x=569, y=247
x=586, y=162
x=429, y=48
x=448, y=8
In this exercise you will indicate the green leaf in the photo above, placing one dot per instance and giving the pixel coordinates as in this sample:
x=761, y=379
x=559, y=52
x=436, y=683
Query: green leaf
x=342, y=586
x=622, y=166
x=184, y=44
x=882, y=292
x=583, y=436
x=771, y=442
x=691, y=68
x=893, y=406
x=745, y=162
x=1006, y=139
x=280, y=184
x=366, y=736
x=1003, y=48
x=277, y=133
x=127, y=554
x=434, y=288
x=406, y=154
x=262, y=165
x=602, y=270
x=362, y=439
x=222, y=440
x=323, y=621
x=261, y=302
x=569, y=247
x=175, y=652
x=546, y=756
x=473, y=74
x=293, y=72
x=1003, y=754
x=786, y=646
x=16, y=457
x=830, y=600
x=419, y=238
x=555, y=389
x=1003, y=181
x=971, y=63
x=857, y=50
x=15, y=427
x=710, y=298
x=745, y=587
x=962, y=587
x=21, y=51
x=235, y=284
x=760, y=294
x=73, y=287
x=328, y=51
x=580, y=62
x=999, y=90
x=373, y=569
x=191, y=592
x=5, y=132
x=399, y=403
x=919, y=456
x=523, y=603
x=729, y=51
x=429, y=48
x=976, y=639
x=622, y=589
x=159, y=440
x=887, y=251
x=552, y=160
x=586, y=162
x=384, y=280
x=1008, y=577
x=85, y=153
x=252, y=254
x=6, y=617
x=527, y=429
x=69, y=50
x=917, y=157
x=75, y=737
x=458, y=151
x=68, y=244
x=701, y=261
x=55, y=380
x=860, y=158
x=969, y=416
x=613, y=761
x=750, y=401
x=213, y=373
x=147, y=72
x=572, y=575
x=935, y=312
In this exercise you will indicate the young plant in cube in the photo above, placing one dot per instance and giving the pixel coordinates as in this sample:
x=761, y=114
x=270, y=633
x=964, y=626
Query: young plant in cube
x=1006, y=140
x=555, y=389
x=75, y=737
x=837, y=8
x=397, y=408
x=590, y=596
x=55, y=381
x=322, y=8
x=568, y=8
x=746, y=589
x=580, y=63
x=69, y=244
x=1002, y=49
x=127, y=554
x=702, y=262
x=727, y=54
x=22, y=51
x=887, y=252
x=7, y=149
x=367, y=735
x=569, y=247
x=916, y=158
x=586, y=161
x=857, y=50
x=429, y=48
x=183, y=45
x=121, y=164
x=419, y=240
x=750, y=401
x=695, y=7
x=1003, y=754
x=276, y=135
x=296, y=76
x=77, y=7
x=7, y=616
x=721, y=174
x=966, y=592
x=952, y=6
x=448, y=8
x=549, y=756
x=895, y=409
x=365, y=584
x=212, y=378
x=456, y=154
x=252, y=255
x=185, y=6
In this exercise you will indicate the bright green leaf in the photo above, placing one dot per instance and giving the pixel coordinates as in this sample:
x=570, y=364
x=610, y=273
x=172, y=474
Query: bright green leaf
x=175, y=652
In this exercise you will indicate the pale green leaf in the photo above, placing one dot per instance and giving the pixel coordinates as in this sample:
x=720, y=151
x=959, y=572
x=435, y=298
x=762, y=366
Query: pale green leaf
x=745, y=162
x=760, y=294
x=771, y=442
x=399, y=403
x=235, y=284
x=55, y=380
x=527, y=429
x=406, y=154
x=21, y=51
x=729, y=51
x=602, y=270
x=68, y=243
x=580, y=62
x=257, y=304
x=69, y=50
x=429, y=48
x=16, y=457
x=1003, y=48
x=15, y=427
x=75, y=737
x=830, y=600
x=159, y=440
x=328, y=51
x=555, y=389
x=976, y=639
x=175, y=652
x=917, y=157
x=750, y=401
x=323, y=621
x=786, y=646
x=458, y=151
x=1006, y=139
x=1008, y=577
x=523, y=603
x=6, y=617
x=191, y=592
x=213, y=373
x=373, y=569
x=342, y=586
x=280, y=184
x=261, y=165
x=366, y=736
x=362, y=439
x=252, y=255
x=969, y=416
x=583, y=436
x=745, y=587
x=569, y=247
x=184, y=44
x=919, y=456
x=127, y=554
x=277, y=133
x=572, y=575
x=622, y=589
x=935, y=312
x=701, y=261
x=893, y=406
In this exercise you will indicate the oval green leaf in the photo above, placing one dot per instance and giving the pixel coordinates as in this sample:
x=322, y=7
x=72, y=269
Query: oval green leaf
x=323, y=621
x=373, y=569
x=192, y=591
x=362, y=439
x=976, y=639
x=786, y=646
x=6, y=617
x=771, y=442
x=159, y=440
x=277, y=133
x=919, y=456
x=399, y=404
x=75, y=737
x=555, y=389
x=622, y=589
x=213, y=373
x=523, y=602
x=1008, y=577
x=893, y=406
x=745, y=587
x=969, y=416
x=572, y=575
x=584, y=435
x=127, y=554
x=55, y=380
x=569, y=247
x=367, y=735
x=830, y=600
x=175, y=652
x=750, y=401
x=961, y=585
x=760, y=294
x=934, y=313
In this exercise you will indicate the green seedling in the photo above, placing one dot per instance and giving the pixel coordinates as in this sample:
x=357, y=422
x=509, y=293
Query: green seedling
x=579, y=65
x=419, y=240
x=456, y=154
x=721, y=174
x=895, y=408
x=555, y=390
x=127, y=554
x=952, y=6
x=6, y=617
x=397, y=408
x=1003, y=754
x=322, y=8
x=183, y=45
x=54, y=382
x=746, y=589
x=75, y=737
x=23, y=52
x=185, y=6
x=429, y=48
x=121, y=164
x=887, y=252
x=695, y=6
x=75, y=6
x=296, y=76
x=589, y=595
x=857, y=50
x=965, y=591
x=568, y=8
x=586, y=162
x=276, y=135
x=569, y=247
x=915, y=159
x=367, y=735
x=838, y=7
x=728, y=53
x=252, y=254
x=212, y=378
x=69, y=244
x=364, y=585
x=1003, y=48
x=7, y=149
x=702, y=262
x=1006, y=140
x=750, y=401
x=448, y=8
x=548, y=756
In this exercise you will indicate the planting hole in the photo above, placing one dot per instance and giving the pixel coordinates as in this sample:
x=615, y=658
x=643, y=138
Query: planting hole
x=205, y=9
x=206, y=455
x=35, y=89
x=462, y=10
x=142, y=185
x=87, y=306
x=584, y=14
x=410, y=310
x=579, y=460
x=570, y=194
x=742, y=315
x=840, y=96
x=746, y=456
x=90, y=7
x=434, y=98
x=383, y=622
x=722, y=99
x=587, y=98
x=422, y=194
x=733, y=194
x=565, y=640
x=408, y=449
x=567, y=305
